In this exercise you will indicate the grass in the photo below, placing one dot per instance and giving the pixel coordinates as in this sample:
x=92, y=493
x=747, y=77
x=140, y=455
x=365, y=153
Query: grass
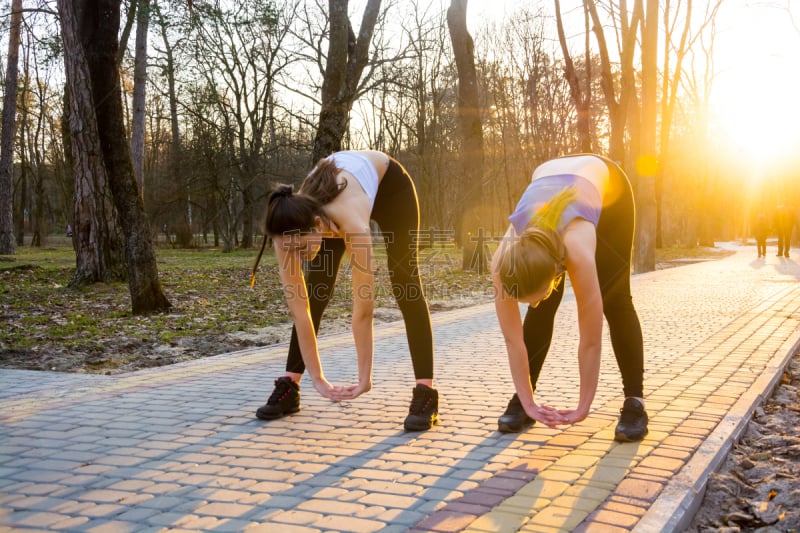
x=47, y=324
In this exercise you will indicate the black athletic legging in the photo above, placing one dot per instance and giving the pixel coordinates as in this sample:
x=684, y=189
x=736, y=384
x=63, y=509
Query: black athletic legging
x=396, y=210
x=613, y=258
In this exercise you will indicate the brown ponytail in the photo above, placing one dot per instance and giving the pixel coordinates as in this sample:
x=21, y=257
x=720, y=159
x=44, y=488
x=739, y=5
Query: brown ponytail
x=287, y=212
x=322, y=183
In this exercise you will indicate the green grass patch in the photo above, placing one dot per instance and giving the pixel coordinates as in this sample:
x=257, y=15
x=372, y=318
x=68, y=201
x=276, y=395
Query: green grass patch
x=45, y=324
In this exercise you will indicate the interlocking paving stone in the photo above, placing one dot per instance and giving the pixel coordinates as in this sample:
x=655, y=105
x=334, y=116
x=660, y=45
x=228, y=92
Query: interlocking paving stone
x=178, y=447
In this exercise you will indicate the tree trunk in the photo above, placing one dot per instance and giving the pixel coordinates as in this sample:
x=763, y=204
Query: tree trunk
x=580, y=100
x=8, y=244
x=21, y=192
x=99, y=29
x=140, y=92
x=96, y=236
x=469, y=119
x=646, y=166
x=40, y=226
x=125, y=34
x=176, y=148
x=619, y=107
x=347, y=57
x=248, y=211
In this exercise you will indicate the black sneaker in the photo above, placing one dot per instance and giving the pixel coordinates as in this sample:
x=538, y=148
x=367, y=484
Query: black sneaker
x=424, y=410
x=284, y=400
x=632, y=425
x=515, y=419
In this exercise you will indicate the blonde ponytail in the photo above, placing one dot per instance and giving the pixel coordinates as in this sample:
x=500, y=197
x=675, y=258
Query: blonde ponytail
x=549, y=215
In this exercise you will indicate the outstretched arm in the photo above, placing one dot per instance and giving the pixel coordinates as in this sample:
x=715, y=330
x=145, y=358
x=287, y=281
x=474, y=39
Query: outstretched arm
x=359, y=247
x=508, y=316
x=294, y=290
x=581, y=242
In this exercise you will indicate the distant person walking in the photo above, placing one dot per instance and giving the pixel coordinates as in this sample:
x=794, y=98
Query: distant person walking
x=784, y=222
x=760, y=232
x=576, y=218
x=330, y=215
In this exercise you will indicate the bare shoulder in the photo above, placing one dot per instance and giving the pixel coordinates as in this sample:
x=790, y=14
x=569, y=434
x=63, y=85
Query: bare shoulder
x=350, y=210
x=580, y=239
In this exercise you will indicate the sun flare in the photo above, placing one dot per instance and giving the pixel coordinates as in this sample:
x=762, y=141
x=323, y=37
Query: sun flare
x=757, y=109
x=762, y=132
x=760, y=119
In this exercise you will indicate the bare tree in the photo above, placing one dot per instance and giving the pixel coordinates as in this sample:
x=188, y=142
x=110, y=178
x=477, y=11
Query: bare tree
x=426, y=84
x=8, y=243
x=469, y=114
x=180, y=196
x=239, y=57
x=671, y=80
x=32, y=111
x=347, y=56
x=581, y=97
x=139, y=91
x=644, y=258
x=98, y=42
x=125, y=34
x=621, y=103
x=703, y=204
x=529, y=115
x=99, y=250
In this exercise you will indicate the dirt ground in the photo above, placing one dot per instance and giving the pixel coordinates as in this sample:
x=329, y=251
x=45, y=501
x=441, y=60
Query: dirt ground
x=758, y=486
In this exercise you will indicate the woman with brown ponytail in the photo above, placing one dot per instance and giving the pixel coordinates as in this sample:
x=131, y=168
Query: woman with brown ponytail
x=330, y=215
x=576, y=217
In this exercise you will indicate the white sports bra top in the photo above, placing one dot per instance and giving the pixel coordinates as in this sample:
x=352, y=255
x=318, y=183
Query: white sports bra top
x=362, y=169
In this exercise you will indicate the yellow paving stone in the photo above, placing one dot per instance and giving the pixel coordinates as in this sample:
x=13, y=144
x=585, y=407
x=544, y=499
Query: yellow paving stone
x=552, y=474
x=682, y=404
x=590, y=453
x=596, y=446
x=532, y=437
x=545, y=488
x=593, y=484
x=656, y=436
x=584, y=502
x=524, y=504
x=560, y=517
x=670, y=417
x=604, y=473
x=532, y=527
x=497, y=521
x=591, y=489
x=662, y=463
x=551, y=452
x=631, y=450
x=610, y=461
x=657, y=401
x=593, y=422
x=606, y=435
x=575, y=461
x=664, y=426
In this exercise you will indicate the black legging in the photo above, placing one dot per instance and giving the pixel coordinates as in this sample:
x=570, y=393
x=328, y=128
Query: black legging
x=613, y=258
x=396, y=210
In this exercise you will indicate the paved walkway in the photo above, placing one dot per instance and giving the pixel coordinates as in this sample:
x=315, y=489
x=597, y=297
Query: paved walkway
x=178, y=448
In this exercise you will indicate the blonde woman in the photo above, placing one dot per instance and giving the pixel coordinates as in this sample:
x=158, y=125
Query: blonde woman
x=313, y=228
x=576, y=218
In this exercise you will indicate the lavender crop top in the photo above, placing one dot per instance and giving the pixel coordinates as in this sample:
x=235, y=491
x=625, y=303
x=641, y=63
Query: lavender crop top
x=587, y=205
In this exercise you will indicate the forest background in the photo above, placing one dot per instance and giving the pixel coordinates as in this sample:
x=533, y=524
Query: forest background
x=218, y=101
